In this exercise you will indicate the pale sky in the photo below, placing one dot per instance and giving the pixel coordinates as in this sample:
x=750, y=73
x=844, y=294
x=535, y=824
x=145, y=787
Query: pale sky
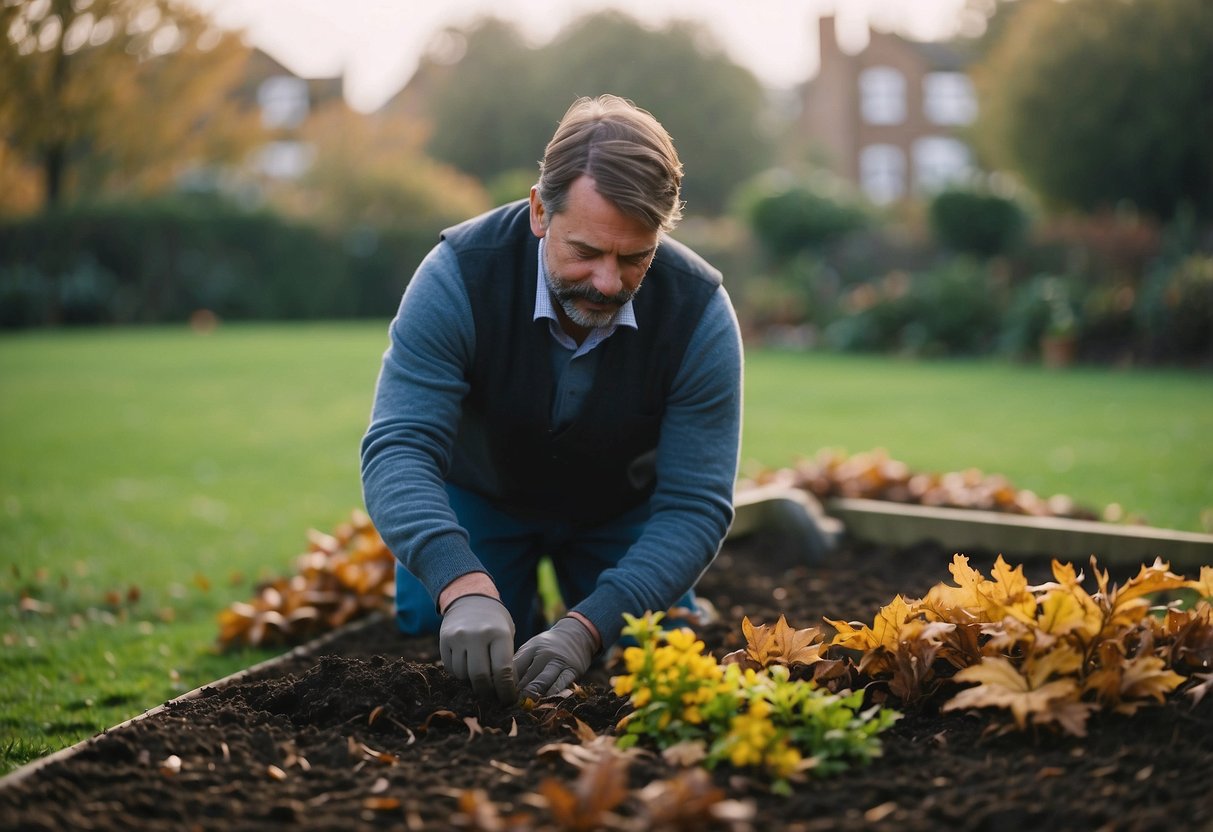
x=379, y=42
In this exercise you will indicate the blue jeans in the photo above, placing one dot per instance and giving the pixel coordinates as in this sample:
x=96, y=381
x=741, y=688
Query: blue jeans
x=511, y=548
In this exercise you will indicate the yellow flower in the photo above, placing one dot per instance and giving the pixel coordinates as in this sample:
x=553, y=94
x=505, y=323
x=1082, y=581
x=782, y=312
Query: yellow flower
x=633, y=658
x=683, y=640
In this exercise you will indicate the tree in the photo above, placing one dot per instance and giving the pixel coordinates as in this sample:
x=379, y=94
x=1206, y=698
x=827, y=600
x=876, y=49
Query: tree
x=371, y=173
x=116, y=94
x=714, y=109
x=488, y=109
x=495, y=108
x=1094, y=102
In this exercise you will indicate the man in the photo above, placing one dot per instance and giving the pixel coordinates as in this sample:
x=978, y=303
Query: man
x=534, y=402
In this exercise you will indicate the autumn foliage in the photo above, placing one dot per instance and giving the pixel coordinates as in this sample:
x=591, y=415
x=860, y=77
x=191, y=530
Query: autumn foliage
x=874, y=475
x=342, y=576
x=1049, y=655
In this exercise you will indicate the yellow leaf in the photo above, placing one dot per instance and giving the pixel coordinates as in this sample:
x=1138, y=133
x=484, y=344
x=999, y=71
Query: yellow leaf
x=1147, y=677
x=1204, y=584
x=1000, y=685
x=1008, y=593
x=1069, y=609
x=889, y=622
x=854, y=635
x=1060, y=661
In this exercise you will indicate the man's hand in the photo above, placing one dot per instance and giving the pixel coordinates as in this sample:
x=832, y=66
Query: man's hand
x=476, y=641
x=552, y=661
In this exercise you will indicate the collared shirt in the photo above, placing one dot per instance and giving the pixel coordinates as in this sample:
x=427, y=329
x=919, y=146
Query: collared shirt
x=625, y=316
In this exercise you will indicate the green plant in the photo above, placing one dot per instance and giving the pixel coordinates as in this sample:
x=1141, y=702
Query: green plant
x=1044, y=306
x=947, y=310
x=977, y=222
x=788, y=218
x=1175, y=314
x=761, y=718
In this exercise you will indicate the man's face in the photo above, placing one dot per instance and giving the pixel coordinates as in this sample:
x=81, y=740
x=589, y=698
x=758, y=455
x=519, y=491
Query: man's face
x=596, y=256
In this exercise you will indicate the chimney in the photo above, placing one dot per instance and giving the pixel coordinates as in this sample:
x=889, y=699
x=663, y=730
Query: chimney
x=827, y=40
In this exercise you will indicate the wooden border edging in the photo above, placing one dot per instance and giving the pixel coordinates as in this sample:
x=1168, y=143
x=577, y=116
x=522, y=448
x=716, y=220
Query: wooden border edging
x=900, y=524
x=34, y=766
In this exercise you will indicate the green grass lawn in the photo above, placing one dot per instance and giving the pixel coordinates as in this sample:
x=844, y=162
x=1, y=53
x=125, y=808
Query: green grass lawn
x=1142, y=439
x=149, y=477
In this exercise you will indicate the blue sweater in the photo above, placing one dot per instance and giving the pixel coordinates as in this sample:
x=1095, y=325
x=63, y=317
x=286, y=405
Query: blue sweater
x=415, y=424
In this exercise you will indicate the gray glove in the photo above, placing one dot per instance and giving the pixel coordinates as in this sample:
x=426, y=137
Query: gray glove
x=552, y=661
x=476, y=641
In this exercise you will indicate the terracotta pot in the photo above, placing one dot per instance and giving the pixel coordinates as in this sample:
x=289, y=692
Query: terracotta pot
x=1057, y=350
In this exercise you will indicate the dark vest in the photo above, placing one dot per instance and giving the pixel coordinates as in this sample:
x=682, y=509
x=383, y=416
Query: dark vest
x=595, y=468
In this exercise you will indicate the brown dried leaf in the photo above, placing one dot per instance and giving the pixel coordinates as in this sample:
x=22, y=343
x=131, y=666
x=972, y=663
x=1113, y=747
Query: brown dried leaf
x=439, y=714
x=691, y=801
x=1197, y=692
x=686, y=754
x=506, y=768
x=1001, y=685
x=599, y=788
x=361, y=749
x=780, y=644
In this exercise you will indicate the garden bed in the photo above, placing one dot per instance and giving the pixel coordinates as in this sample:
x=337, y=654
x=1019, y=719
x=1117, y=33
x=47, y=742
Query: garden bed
x=366, y=731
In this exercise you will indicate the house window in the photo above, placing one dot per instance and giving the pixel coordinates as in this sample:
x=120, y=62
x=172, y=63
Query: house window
x=283, y=101
x=938, y=162
x=882, y=172
x=948, y=98
x=882, y=95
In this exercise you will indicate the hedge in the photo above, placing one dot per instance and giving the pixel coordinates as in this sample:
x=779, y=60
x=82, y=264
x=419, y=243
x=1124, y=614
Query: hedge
x=163, y=260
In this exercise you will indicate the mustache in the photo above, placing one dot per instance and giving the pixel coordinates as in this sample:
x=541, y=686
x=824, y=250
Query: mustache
x=565, y=292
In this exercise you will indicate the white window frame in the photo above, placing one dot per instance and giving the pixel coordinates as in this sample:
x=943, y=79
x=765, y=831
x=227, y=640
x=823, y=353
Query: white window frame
x=940, y=161
x=882, y=173
x=949, y=98
x=283, y=100
x=882, y=95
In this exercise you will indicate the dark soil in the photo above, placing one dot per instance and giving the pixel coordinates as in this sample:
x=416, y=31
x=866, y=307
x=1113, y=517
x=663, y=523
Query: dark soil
x=370, y=733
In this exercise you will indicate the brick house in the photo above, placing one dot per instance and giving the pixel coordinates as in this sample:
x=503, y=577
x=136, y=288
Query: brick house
x=889, y=118
x=285, y=101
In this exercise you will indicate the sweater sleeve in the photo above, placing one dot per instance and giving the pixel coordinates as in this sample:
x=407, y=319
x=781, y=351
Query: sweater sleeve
x=407, y=447
x=696, y=468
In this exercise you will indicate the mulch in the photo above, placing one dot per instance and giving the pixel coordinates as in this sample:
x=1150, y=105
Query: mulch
x=369, y=732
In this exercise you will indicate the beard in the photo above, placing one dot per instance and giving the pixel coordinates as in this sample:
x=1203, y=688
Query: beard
x=567, y=293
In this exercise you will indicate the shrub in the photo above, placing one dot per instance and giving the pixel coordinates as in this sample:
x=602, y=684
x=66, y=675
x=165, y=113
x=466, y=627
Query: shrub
x=790, y=218
x=973, y=222
x=1045, y=304
x=161, y=260
x=1175, y=311
x=948, y=310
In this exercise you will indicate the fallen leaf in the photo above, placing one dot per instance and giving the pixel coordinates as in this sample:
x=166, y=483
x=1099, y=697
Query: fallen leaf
x=878, y=813
x=439, y=714
x=506, y=768
x=686, y=753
